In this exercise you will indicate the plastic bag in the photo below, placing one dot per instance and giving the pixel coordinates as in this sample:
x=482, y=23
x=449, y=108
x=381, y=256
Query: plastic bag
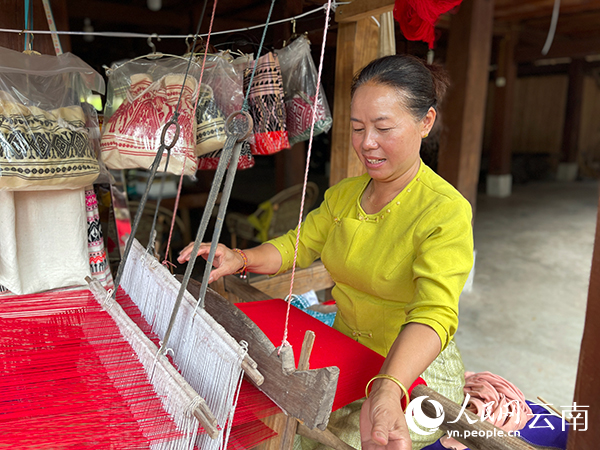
x=300, y=86
x=142, y=97
x=46, y=127
x=266, y=105
x=210, y=122
x=210, y=161
x=225, y=76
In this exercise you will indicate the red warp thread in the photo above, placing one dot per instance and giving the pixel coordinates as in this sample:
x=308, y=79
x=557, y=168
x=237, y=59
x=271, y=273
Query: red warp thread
x=247, y=430
x=69, y=380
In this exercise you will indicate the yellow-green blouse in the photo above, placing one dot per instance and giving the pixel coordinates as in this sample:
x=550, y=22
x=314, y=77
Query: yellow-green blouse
x=407, y=263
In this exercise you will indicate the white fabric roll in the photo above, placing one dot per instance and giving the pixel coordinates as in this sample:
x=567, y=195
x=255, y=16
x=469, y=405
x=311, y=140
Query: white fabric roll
x=43, y=240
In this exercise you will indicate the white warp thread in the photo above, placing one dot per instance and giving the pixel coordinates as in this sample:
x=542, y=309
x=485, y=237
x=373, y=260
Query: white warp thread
x=175, y=396
x=208, y=358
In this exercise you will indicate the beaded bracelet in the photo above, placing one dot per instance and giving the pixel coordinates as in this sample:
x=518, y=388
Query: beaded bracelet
x=243, y=271
x=391, y=378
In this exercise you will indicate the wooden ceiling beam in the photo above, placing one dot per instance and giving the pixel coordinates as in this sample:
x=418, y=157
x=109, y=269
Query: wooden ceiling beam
x=519, y=10
x=571, y=48
x=569, y=23
x=507, y=10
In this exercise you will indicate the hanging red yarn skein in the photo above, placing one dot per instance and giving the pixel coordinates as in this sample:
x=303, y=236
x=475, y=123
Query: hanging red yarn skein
x=417, y=18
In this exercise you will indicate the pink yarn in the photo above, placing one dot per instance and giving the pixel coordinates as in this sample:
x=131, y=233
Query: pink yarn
x=495, y=400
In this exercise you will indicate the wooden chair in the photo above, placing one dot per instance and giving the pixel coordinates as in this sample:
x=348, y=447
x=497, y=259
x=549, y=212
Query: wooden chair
x=284, y=207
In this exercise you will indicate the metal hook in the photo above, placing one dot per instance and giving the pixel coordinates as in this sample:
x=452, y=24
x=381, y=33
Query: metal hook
x=151, y=44
x=29, y=44
x=188, y=43
x=293, y=27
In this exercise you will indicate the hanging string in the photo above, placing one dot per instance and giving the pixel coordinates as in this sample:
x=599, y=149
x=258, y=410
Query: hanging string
x=284, y=341
x=123, y=34
x=552, y=30
x=180, y=186
x=52, y=27
x=27, y=25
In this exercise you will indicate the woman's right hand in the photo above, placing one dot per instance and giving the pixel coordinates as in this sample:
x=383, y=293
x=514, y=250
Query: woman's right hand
x=226, y=260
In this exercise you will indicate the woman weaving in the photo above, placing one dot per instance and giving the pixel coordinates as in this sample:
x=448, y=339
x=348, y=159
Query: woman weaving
x=397, y=241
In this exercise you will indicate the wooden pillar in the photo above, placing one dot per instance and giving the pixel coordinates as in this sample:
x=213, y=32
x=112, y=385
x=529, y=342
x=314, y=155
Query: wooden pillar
x=13, y=17
x=567, y=169
x=587, y=388
x=499, y=181
x=467, y=61
x=290, y=165
x=357, y=45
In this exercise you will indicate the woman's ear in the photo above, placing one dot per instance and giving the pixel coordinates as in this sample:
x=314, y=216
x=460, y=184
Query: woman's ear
x=428, y=121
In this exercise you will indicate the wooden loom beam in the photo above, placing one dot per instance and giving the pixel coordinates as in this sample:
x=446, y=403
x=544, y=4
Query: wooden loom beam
x=467, y=62
x=362, y=9
x=357, y=45
x=304, y=394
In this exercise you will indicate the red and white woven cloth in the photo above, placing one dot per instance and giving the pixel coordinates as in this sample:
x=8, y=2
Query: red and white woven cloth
x=132, y=135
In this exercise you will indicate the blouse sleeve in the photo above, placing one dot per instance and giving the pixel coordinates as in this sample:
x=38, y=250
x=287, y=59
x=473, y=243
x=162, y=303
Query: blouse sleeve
x=444, y=258
x=313, y=233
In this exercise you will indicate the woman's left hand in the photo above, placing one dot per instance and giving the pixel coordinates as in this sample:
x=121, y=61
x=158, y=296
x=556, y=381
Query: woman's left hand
x=382, y=422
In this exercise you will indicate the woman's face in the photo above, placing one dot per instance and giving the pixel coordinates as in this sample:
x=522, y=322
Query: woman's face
x=385, y=135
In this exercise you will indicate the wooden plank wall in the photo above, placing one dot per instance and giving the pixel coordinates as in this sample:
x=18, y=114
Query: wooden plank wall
x=539, y=111
x=589, y=139
x=539, y=114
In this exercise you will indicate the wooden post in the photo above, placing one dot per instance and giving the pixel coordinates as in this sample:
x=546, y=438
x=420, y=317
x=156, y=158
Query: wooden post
x=290, y=165
x=468, y=59
x=587, y=388
x=291, y=424
x=567, y=169
x=499, y=180
x=357, y=45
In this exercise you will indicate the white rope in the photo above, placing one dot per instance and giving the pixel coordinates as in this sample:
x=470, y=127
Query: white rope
x=284, y=341
x=552, y=30
x=123, y=34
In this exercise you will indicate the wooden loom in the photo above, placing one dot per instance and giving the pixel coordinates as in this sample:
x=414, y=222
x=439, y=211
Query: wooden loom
x=239, y=325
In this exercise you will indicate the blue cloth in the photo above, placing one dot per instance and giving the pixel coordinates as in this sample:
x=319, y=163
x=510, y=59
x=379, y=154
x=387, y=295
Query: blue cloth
x=538, y=430
x=301, y=303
